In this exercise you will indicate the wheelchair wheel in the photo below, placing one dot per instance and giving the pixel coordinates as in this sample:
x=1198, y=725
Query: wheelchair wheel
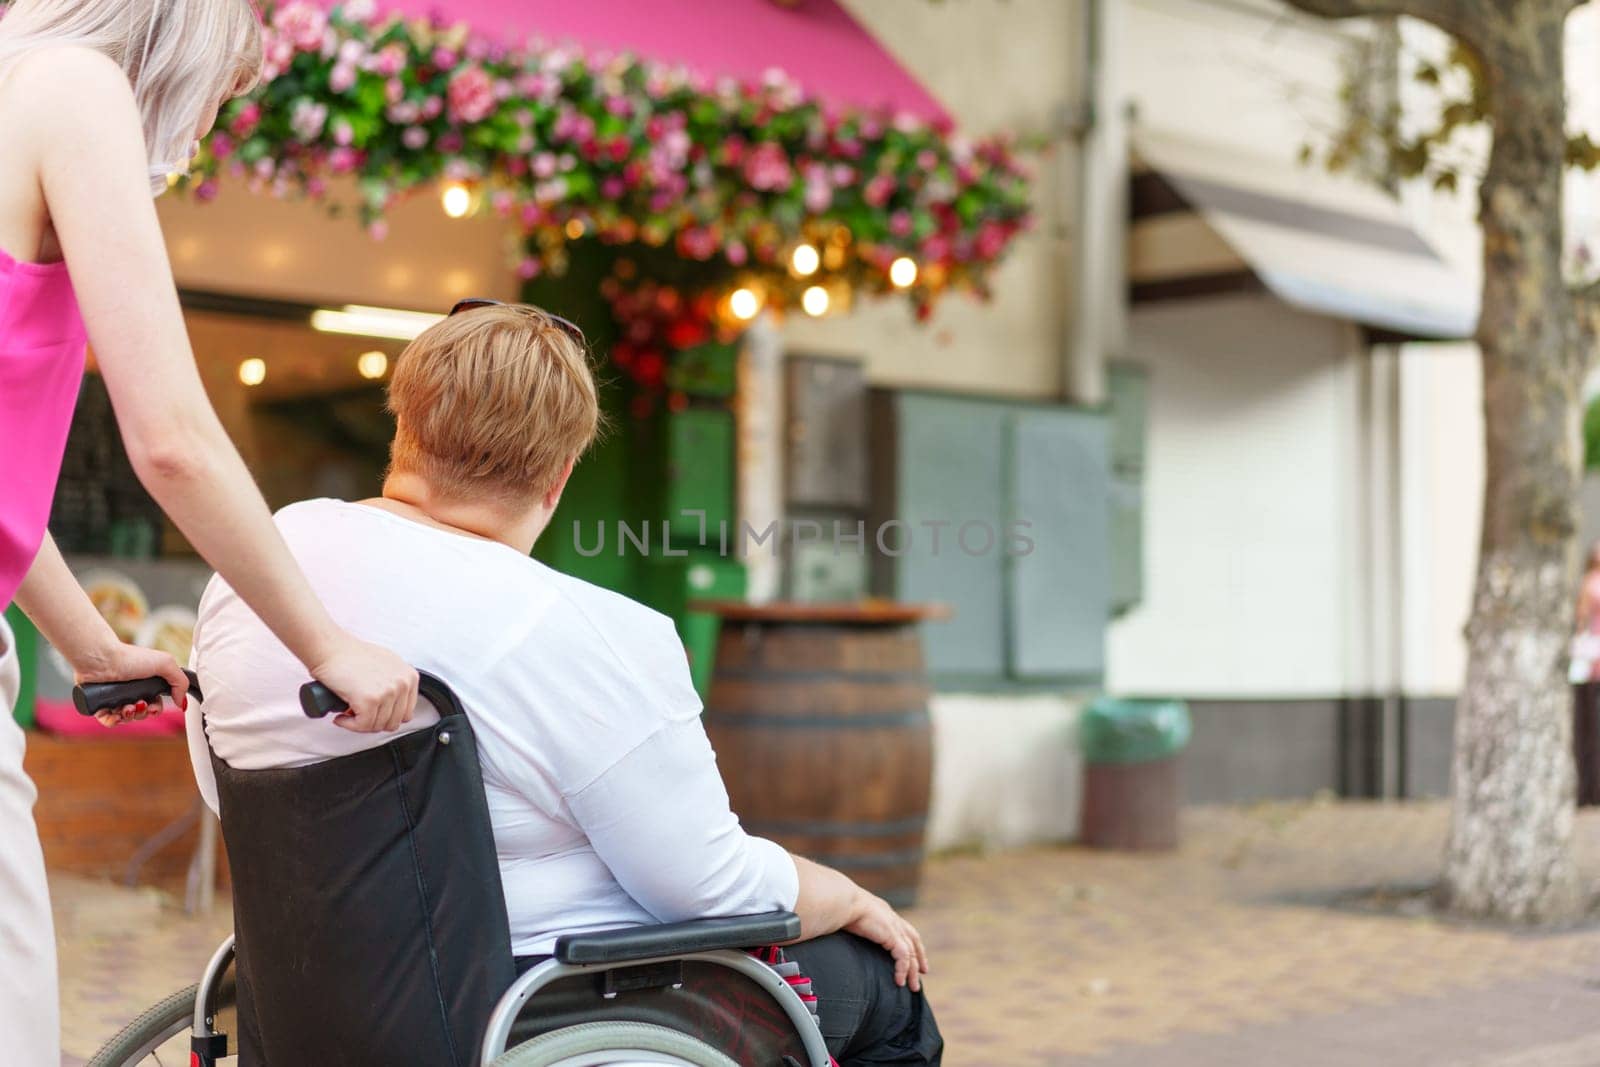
x=598, y=1044
x=160, y=1036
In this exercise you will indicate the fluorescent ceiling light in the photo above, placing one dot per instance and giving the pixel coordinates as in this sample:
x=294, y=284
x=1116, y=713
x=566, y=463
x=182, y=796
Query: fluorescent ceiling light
x=363, y=321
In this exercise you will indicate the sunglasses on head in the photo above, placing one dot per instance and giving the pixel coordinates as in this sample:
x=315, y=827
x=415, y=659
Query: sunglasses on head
x=567, y=325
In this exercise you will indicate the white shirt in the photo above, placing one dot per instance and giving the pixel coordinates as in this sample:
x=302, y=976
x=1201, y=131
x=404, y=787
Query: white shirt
x=603, y=791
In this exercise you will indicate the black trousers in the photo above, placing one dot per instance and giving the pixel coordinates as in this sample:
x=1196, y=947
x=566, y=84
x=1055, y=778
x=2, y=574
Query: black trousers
x=866, y=1020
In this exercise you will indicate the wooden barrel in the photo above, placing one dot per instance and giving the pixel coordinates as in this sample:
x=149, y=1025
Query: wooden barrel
x=819, y=716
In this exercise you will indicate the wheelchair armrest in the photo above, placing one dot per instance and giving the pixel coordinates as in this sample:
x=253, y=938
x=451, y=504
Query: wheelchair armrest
x=678, y=939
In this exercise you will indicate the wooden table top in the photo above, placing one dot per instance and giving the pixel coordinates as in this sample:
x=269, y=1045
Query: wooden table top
x=853, y=612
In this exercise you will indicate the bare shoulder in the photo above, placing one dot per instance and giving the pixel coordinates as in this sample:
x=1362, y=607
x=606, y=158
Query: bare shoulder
x=73, y=86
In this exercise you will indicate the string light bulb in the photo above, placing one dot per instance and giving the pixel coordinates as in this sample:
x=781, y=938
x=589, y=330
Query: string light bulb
x=744, y=303
x=805, y=260
x=815, y=301
x=372, y=365
x=903, y=272
x=456, y=199
x=252, y=371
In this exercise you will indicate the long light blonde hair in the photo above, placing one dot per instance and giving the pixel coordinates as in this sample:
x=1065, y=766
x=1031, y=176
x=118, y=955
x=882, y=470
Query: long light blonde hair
x=181, y=57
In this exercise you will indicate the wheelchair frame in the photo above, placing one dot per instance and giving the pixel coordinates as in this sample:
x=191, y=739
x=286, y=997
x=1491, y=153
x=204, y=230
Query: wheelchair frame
x=208, y=1046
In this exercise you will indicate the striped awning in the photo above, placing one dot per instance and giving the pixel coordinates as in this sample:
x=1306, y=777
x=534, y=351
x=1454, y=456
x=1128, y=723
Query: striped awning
x=1208, y=220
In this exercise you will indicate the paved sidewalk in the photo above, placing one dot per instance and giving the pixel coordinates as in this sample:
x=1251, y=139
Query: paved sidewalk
x=1238, y=950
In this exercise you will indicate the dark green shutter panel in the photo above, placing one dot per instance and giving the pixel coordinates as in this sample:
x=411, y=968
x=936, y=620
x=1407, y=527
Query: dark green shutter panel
x=699, y=453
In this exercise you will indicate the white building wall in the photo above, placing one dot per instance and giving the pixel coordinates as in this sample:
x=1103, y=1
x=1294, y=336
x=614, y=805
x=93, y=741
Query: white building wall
x=1251, y=537
x=998, y=65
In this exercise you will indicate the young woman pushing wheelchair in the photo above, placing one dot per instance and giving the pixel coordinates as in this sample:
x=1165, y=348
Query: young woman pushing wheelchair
x=100, y=100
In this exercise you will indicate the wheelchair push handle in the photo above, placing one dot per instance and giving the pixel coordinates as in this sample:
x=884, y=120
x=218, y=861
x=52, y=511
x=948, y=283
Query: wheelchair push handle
x=317, y=700
x=92, y=697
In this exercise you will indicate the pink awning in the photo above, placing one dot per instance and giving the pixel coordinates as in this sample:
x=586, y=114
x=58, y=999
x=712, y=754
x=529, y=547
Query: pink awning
x=816, y=42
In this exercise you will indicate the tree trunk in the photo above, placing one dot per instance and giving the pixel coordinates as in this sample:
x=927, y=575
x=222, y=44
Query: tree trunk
x=1510, y=854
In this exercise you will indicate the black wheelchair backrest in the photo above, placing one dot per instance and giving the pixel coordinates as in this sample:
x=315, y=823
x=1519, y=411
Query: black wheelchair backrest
x=370, y=921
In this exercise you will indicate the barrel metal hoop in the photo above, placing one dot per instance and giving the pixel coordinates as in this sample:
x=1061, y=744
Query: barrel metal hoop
x=836, y=827
x=877, y=720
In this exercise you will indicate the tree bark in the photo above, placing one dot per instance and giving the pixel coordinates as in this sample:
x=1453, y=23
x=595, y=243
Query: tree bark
x=1510, y=853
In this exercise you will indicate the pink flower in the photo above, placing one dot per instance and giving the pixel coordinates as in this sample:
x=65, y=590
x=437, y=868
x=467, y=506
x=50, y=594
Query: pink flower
x=936, y=247
x=361, y=11
x=343, y=160
x=222, y=145
x=315, y=188
x=404, y=112
x=697, y=242
x=766, y=167
x=432, y=106
x=900, y=223
x=352, y=52
x=378, y=229
x=471, y=95
x=246, y=121
x=613, y=187
x=878, y=190
x=991, y=240
x=927, y=159
x=444, y=58
x=342, y=133
x=544, y=165
x=308, y=119
x=265, y=168
x=538, y=86
x=737, y=253
x=302, y=23
x=394, y=91
x=389, y=60
x=528, y=269
x=342, y=78
x=451, y=142
x=414, y=138
x=206, y=191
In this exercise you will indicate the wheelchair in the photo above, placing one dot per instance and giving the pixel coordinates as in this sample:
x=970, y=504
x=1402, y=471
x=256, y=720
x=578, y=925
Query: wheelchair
x=370, y=929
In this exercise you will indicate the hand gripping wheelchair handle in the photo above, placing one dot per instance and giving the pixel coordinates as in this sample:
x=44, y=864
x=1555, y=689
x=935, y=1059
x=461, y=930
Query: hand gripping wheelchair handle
x=317, y=700
x=106, y=696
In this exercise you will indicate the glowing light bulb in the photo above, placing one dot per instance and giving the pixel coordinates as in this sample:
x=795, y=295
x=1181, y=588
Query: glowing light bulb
x=252, y=371
x=456, y=199
x=815, y=301
x=372, y=365
x=744, y=304
x=903, y=272
x=805, y=260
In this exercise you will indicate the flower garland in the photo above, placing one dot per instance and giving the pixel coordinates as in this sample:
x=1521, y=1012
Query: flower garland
x=570, y=145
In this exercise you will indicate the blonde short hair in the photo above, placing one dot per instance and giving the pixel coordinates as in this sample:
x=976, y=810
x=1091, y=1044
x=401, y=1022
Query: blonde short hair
x=182, y=57
x=493, y=402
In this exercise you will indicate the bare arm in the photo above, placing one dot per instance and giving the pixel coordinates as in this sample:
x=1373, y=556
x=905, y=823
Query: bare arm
x=58, y=606
x=829, y=902
x=92, y=169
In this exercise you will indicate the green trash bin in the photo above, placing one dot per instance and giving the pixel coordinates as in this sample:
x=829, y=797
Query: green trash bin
x=1131, y=750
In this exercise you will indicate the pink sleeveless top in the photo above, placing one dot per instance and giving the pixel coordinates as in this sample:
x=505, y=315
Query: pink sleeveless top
x=42, y=345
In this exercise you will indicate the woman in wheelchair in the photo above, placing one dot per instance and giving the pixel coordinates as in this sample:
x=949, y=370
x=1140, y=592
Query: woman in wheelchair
x=602, y=790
